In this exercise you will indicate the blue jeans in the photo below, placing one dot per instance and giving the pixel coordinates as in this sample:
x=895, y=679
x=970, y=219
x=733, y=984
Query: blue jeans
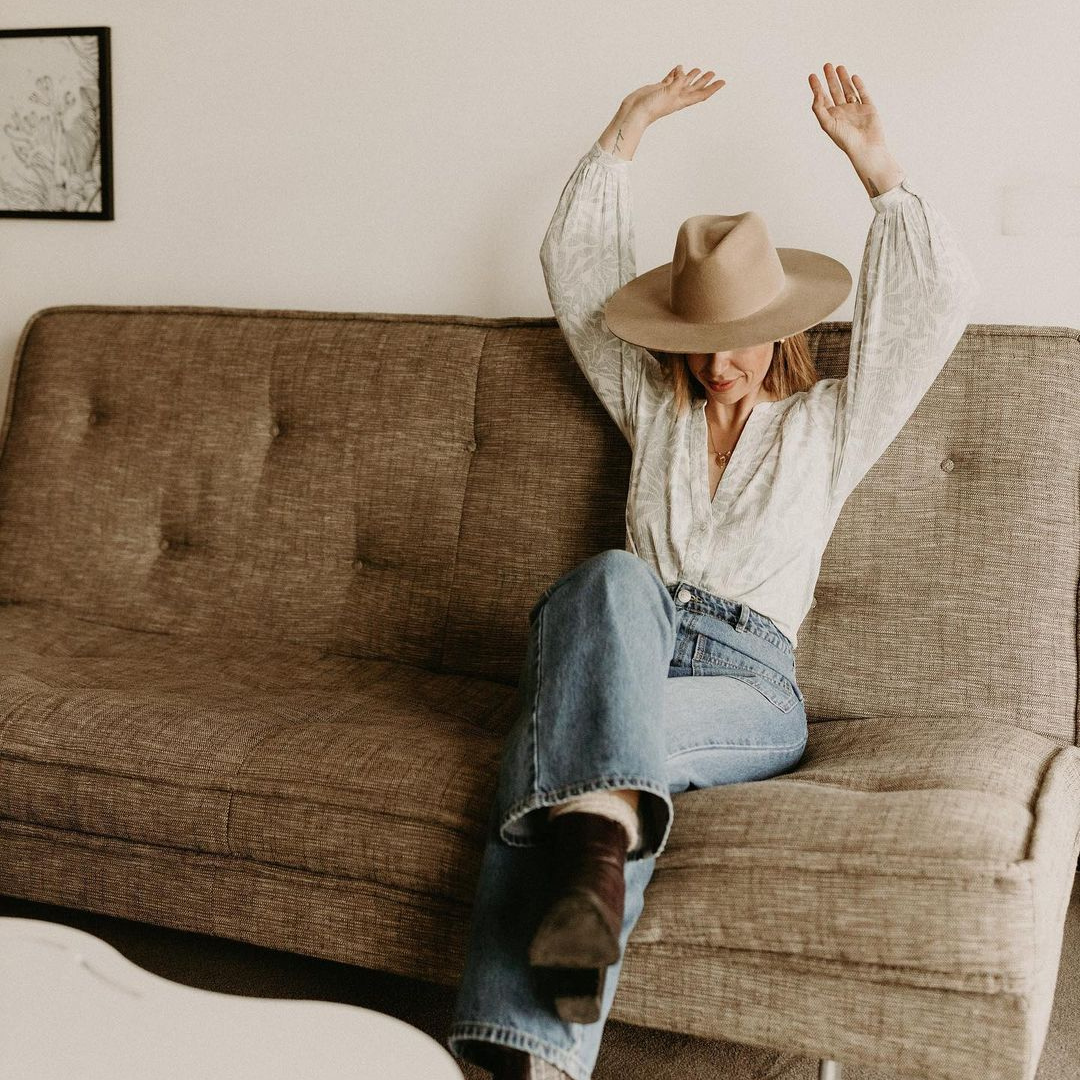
x=604, y=705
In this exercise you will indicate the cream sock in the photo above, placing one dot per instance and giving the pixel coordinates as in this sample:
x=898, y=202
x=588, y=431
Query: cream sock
x=607, y=804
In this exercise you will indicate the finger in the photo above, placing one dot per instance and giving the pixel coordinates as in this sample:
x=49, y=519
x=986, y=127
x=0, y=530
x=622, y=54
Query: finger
x=691, y=72
x=850, y=93
x=820, y=104
x=861, y=87
x=834, y=85
x=701, y=80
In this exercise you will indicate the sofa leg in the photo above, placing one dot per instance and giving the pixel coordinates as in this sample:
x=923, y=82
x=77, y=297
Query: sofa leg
x=828, y=1069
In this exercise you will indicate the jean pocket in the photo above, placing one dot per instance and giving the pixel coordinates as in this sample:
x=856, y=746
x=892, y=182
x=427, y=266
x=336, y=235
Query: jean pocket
x=712, y=657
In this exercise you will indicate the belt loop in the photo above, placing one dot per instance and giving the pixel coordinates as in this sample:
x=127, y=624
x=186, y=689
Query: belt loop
x=744, y=614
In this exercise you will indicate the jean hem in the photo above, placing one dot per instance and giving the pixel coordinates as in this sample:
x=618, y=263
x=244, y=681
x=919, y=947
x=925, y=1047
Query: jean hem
x=607, y=782
x=516, y=1039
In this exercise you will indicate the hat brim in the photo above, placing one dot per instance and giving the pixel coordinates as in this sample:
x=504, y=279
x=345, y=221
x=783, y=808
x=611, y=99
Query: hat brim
x=816, y=285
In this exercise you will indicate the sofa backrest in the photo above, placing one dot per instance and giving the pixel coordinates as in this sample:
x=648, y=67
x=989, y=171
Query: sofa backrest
x=405, y=486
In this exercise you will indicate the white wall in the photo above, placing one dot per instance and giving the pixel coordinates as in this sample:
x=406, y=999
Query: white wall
x=406, y=155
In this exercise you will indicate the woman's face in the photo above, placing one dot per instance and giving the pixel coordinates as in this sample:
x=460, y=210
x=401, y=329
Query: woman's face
x=742, y=369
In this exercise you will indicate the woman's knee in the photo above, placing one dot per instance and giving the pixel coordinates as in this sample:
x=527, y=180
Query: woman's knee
x=619, y=563
x=622, y=573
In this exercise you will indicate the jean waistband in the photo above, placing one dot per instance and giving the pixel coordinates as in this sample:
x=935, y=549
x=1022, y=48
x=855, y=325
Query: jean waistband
x=737, y=612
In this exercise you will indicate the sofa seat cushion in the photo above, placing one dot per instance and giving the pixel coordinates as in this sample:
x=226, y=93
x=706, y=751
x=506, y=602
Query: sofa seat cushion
x=905, y=851
x=929, y=853
x=273, y=752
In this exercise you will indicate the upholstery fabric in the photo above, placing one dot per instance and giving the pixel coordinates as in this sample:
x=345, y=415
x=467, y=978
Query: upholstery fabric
x=283, y=725
x=294, y=476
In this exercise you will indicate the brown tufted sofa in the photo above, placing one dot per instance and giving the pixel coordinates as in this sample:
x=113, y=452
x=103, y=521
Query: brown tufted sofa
x=263, y=584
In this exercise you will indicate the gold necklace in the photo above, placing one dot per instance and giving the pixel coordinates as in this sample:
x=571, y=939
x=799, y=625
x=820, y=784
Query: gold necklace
x=721, y=459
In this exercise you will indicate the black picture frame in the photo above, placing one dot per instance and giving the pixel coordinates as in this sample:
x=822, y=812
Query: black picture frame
x=56, y=123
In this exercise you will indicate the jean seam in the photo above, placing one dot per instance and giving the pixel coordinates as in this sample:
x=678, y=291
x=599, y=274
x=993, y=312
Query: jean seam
x=702, y=657
x=769, y=639
x=522, y=1040
x=759, y=668
x=738, y=746
x=765, y=635
x=781, y=687
x=783, y=707
x=533, y=723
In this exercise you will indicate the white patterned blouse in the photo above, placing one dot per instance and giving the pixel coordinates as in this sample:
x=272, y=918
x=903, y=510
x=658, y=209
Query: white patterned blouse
x=759, y=540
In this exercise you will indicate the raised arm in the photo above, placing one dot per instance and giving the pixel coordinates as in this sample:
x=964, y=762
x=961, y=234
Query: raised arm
x=587, y=254
x=914, y=297
x=914, y=300
x=588, y=250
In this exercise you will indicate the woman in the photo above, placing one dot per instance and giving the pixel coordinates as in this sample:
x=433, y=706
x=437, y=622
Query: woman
x=742, y=460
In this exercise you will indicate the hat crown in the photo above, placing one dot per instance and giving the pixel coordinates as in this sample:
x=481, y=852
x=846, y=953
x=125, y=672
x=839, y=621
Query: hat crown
x=724, y=268
x=727, y=287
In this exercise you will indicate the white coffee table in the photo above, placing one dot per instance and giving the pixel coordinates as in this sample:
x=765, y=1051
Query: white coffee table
x=73, y=1008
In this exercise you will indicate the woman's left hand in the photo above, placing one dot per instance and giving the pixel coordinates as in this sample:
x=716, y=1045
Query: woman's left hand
x=851, y=120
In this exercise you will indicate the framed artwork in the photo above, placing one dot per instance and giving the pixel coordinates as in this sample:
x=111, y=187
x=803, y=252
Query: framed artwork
x=55, y=123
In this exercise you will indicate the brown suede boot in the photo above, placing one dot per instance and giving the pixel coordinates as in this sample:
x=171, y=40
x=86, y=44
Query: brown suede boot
x=578, y=937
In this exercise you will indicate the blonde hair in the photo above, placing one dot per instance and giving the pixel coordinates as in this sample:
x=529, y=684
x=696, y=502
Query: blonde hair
x=791, y=369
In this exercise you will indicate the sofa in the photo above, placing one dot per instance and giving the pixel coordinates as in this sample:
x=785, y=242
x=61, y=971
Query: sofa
x=264, y=577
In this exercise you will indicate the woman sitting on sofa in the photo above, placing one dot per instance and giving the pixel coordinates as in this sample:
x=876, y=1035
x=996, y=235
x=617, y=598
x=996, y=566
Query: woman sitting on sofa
x=742, y=458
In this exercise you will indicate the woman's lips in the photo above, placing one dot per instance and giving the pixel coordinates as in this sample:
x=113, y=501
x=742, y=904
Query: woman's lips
x=721, y=386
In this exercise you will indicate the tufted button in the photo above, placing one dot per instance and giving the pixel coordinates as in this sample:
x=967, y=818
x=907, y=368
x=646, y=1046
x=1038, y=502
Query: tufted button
x=93, y=417
x=358, y=564
x=275, y=429
x=471, y=445
x=164, y=544
x=947, y=465
x=684, y=595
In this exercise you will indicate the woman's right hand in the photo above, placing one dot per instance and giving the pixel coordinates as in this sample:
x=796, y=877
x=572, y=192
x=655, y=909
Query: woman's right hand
x=675, y=91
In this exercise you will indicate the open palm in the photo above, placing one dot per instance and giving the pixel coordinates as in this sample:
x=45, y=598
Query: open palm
x=850, y=119
x=676, y=90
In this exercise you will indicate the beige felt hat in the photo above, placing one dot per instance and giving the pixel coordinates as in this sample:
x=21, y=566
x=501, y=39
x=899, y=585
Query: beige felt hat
x=726, y=287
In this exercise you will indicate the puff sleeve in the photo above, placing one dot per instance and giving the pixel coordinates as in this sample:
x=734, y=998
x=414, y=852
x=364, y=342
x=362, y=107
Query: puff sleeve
x=915, y=296
x=587, y=254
